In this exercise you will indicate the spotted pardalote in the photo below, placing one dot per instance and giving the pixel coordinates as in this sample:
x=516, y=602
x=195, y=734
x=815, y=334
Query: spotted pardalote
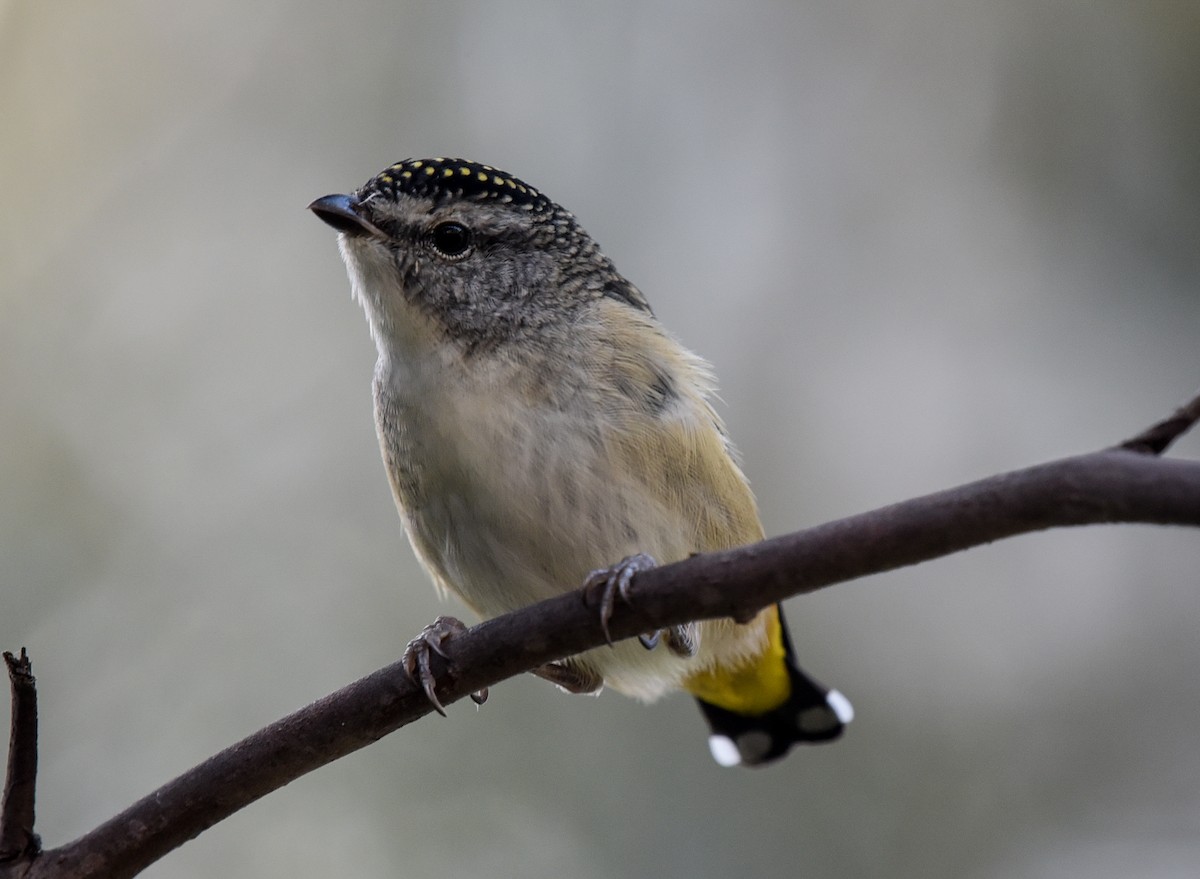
x=538, y=424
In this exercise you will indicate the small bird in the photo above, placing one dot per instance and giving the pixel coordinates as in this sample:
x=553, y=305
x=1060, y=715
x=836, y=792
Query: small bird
x=538, y=423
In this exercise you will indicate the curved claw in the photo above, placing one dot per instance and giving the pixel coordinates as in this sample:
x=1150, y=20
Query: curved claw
x=423, y=674
x=416, y=659
x=615, y=581
x=651, y=641
x=682, y=641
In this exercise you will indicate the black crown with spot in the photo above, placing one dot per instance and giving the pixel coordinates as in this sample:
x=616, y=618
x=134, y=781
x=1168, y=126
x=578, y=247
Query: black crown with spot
x=442, y=179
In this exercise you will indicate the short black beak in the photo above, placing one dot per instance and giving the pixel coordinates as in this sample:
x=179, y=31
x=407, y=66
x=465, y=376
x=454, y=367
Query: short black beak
x=340, y=212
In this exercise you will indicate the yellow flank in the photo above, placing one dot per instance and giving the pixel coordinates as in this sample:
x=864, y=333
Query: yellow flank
x=682, y=457
x=758, y=686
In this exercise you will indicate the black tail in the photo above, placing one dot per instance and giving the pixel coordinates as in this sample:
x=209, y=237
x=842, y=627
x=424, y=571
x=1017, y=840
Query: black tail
x=811, y=714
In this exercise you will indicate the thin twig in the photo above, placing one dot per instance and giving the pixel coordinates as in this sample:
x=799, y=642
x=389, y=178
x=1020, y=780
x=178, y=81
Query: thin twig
x=1155, y=440
x=17, y=839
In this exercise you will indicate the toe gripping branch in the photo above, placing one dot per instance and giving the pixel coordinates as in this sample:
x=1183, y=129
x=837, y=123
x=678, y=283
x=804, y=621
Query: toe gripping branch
x=417, y=658
x=601, y=589
x=604, y=586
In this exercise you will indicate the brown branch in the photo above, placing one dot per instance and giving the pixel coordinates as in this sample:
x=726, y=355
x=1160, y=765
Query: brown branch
x=17, y=839
x=1126, y=484
x=1155, y=440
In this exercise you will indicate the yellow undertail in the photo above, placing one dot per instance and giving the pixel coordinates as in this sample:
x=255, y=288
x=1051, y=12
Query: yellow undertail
x=756, y=687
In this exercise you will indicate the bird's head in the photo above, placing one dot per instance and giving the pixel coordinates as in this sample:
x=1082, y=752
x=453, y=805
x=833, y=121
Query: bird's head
x=470, y=252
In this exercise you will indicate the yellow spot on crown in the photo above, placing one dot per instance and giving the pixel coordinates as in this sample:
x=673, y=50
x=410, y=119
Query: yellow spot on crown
x=482, y=177
x=386, y=178
x=429, y=170
x=499, y=181
x=418, y=163
x=406, y=174
x=448, y=172
x=465, y=171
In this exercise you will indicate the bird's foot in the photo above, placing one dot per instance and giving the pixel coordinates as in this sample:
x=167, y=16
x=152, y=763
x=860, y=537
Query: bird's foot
x=683, y=641
x=605, y=585
x=570, y=677
x=419, y=649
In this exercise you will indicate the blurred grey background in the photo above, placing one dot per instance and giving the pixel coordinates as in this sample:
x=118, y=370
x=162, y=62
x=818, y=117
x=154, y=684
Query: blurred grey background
x=922, y=242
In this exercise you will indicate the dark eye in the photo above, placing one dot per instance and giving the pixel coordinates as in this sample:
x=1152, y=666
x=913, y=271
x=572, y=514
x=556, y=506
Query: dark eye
x=451, y=240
